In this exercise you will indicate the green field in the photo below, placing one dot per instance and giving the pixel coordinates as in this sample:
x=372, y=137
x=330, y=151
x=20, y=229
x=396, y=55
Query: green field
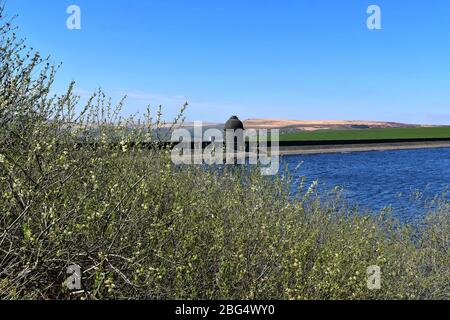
x=369, y=134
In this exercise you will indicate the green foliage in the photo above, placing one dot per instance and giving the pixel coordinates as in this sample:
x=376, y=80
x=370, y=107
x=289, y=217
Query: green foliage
x=76, y=188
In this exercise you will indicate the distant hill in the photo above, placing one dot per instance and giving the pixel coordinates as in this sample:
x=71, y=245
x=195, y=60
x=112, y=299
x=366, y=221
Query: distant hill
x=314, y=125
x=297, y=126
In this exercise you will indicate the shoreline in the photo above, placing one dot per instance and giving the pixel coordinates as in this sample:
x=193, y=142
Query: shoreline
x=362, y=147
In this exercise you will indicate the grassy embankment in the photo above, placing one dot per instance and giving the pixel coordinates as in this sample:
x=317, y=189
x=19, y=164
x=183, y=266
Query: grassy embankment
x=369, y=134
x=141, y=228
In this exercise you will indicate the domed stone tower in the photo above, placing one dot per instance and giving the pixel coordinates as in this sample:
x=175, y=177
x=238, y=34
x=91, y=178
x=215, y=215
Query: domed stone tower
x=234, y=140
x=234, y=124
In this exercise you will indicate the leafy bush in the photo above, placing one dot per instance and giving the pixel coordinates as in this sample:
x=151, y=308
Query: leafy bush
x=77, y=188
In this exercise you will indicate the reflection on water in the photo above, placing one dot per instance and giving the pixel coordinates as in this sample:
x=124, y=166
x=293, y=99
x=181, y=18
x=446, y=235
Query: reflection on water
x=378, y=179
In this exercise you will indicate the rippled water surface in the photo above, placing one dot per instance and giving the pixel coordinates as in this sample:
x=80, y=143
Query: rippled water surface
x=377, y=179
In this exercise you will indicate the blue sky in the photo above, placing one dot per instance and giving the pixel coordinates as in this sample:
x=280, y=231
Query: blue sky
x=299, y=59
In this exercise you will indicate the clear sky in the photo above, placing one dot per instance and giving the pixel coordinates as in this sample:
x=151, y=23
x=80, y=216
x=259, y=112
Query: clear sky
x=299, y=59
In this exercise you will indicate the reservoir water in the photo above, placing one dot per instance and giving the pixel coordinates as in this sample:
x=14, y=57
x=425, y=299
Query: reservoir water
x=405, y=180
